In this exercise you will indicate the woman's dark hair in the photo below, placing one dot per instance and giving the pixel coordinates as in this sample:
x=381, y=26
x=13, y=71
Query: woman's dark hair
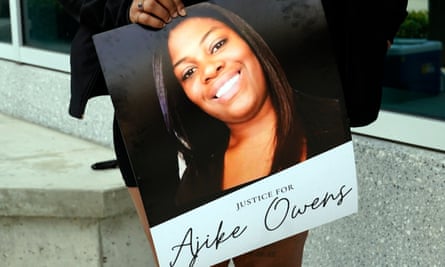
x=201, y=135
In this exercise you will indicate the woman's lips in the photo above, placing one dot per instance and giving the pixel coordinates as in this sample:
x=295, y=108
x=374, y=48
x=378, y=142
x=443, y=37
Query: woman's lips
x=228, y=87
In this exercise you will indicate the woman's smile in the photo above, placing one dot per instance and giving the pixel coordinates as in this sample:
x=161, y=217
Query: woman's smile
x=228, y=89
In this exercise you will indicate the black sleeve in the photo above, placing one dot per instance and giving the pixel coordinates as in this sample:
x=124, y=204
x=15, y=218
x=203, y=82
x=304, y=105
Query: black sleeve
x=359, y=36
x=94, y=16
x=394, y=13
x=99, y=15
x=72, y=7
x=102, y=15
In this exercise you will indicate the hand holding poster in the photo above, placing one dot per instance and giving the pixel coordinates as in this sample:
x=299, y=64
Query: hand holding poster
x=235, y=140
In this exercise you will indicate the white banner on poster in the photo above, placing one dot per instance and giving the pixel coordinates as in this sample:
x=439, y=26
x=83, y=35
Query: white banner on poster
x=309, y=194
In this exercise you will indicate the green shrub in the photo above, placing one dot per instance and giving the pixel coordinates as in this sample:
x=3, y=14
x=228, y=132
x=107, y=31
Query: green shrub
x=415, y=25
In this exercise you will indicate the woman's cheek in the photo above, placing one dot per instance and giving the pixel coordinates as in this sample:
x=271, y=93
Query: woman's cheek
x=192, y=92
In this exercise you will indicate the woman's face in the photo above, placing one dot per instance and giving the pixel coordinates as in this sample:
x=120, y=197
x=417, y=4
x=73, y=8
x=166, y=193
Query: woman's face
x=217, y=69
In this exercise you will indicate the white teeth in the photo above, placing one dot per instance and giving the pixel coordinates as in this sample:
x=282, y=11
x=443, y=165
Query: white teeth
x=226, y=87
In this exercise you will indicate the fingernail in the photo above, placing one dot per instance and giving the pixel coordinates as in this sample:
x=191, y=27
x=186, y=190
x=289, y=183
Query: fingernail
x=182, y=12
x=175, y=15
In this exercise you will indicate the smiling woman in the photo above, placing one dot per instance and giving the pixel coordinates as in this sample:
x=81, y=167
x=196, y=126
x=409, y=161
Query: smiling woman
x=221, y=75
x=213, y=68
x=226, y=98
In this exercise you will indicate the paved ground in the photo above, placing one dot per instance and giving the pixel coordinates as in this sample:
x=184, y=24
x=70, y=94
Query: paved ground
x=28, y=151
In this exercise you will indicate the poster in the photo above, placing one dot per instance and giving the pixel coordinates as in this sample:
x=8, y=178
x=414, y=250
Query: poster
x=234, y=122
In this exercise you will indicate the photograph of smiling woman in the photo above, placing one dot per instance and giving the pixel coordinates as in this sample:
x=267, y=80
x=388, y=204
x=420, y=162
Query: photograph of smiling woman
x=186, y=93
x=305, y=125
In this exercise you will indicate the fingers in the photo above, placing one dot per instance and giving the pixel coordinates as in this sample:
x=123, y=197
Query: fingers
x=180, y=7
x=150, y=20
x=155, y=13
x=173, y=7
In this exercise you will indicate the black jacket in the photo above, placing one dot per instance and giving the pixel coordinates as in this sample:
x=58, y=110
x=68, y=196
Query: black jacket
x=94, y=16
x=360, y=31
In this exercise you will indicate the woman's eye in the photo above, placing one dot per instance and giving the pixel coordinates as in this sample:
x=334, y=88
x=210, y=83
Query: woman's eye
x=188, y=73
x=218, y=45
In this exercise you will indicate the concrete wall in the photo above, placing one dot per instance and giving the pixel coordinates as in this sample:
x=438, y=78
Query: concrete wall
x=401, y=217
x=73, y=242
x=42, y=96
x=401, y=191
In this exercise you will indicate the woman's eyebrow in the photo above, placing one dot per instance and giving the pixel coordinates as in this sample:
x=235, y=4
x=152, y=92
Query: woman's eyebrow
x=204, y=37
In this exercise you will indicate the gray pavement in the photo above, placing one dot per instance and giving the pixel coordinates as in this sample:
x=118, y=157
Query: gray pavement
x=47, y=173
x=28, y=151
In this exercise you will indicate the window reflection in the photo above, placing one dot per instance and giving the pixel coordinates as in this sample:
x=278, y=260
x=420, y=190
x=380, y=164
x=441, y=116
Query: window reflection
x=414, y=81
x=47, y=26
x=5, y=22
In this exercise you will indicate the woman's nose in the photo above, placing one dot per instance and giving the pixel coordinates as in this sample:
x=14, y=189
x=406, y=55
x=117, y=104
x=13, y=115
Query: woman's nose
x=211, y=70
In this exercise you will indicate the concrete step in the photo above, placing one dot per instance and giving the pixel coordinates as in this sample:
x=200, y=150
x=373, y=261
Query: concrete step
x=55, y=210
